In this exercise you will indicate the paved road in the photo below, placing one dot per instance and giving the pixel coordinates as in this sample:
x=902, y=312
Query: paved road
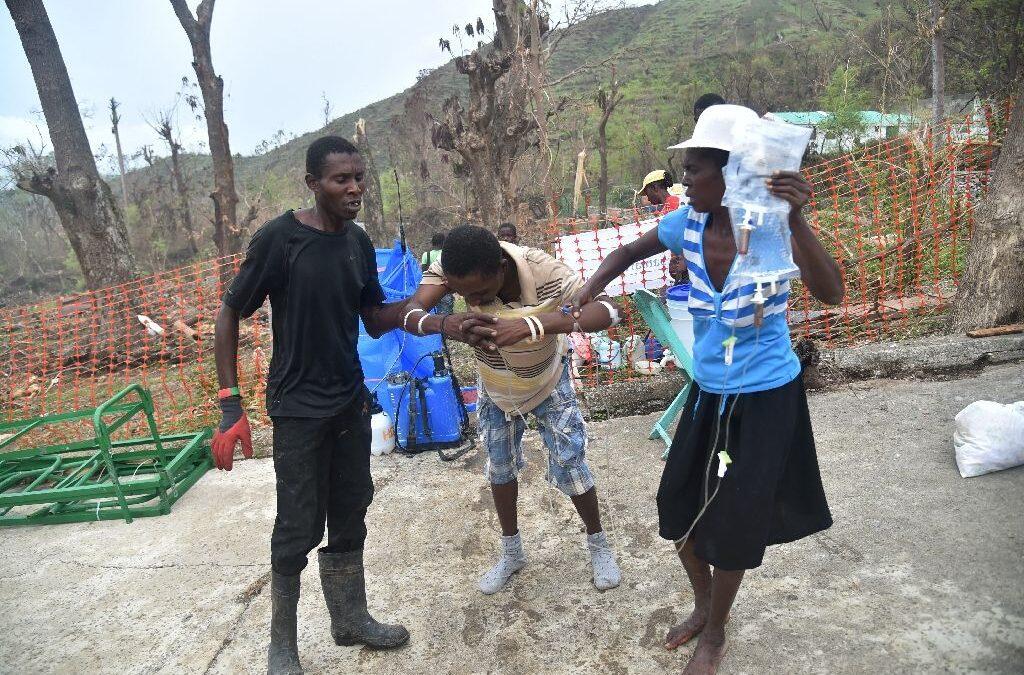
x=923, y=571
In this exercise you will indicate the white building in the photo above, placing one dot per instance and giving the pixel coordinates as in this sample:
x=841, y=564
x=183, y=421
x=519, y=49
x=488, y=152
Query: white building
x=877, y=126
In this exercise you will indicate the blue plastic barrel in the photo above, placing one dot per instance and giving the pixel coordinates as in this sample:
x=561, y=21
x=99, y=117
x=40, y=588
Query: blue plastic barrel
x=679, y=293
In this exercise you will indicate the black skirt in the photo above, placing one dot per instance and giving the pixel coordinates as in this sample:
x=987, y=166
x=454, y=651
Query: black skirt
x=771, y=492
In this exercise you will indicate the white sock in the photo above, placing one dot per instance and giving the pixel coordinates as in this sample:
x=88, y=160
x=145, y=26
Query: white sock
x=512, y=560
x=602, y=561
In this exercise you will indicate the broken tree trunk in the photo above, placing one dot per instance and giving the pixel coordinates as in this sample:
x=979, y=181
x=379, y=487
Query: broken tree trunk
x=498, y=128
x=226, y=233
x=606, y=103
x=115, y=121
x=84, y=203
x=991, y=291
x=373, y=202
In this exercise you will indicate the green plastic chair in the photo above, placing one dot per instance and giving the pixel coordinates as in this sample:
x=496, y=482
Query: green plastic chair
x=656, y=316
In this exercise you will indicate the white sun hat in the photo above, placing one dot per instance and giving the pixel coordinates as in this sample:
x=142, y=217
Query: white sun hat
x=714, y=127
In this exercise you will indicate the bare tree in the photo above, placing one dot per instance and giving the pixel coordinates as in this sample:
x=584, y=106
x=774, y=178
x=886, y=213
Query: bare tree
x=429, y=184
x=536, y=70
x=83, y=201
x=991, y=291
x=937, y=30
x=373, y=203
x=146, y=152
x=165, y=130
x=493, y=134
x=115, y=120
x=326, y=108
x=607, y=100
x=226, y=233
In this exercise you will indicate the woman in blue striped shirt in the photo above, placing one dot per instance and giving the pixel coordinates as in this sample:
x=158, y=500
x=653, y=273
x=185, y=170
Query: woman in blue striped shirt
x=748, y=401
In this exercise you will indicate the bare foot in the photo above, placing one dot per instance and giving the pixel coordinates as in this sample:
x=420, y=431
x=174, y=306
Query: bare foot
x=687, y=630
x=708, y=655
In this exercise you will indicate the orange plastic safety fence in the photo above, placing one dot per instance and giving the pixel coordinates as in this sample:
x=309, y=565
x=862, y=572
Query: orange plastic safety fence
x=895, y=214
x=73, y=352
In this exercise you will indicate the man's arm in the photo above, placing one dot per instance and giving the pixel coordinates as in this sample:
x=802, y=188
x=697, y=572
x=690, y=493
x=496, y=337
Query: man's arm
x=379, y=319
x=234, y=425
x=592, y=317
x=225, y=346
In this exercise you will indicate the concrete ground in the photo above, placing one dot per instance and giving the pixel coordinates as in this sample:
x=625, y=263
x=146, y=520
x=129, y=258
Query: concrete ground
x=922, y=572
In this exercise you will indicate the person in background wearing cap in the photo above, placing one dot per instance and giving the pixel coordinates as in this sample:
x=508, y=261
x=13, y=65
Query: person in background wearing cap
x=753, y=402
x=655, y=187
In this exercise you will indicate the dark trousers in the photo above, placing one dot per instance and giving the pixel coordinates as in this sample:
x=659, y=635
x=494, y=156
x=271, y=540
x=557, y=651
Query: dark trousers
x=323, y=475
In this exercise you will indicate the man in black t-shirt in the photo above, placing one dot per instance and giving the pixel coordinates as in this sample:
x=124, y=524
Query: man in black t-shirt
x=319, y=270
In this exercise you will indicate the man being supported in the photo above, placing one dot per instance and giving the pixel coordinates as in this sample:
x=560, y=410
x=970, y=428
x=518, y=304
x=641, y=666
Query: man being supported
x=518, y=329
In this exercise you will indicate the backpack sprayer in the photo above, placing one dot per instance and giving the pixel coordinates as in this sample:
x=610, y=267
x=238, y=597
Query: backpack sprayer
x=426, y=413
x=429, y=413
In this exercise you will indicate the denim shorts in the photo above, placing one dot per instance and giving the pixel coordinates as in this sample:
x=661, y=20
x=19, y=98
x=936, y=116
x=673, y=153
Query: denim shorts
x=561, y=428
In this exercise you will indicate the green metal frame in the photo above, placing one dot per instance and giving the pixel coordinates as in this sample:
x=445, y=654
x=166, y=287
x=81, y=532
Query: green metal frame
x=656, y=316
x=99, y=478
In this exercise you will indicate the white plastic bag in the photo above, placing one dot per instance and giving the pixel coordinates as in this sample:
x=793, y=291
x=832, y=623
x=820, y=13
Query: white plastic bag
x=989, y=436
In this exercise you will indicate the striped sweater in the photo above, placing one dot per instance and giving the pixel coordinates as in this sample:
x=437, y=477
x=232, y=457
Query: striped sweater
x=519, y=377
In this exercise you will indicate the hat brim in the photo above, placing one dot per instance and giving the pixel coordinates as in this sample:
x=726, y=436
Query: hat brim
x=694, y=143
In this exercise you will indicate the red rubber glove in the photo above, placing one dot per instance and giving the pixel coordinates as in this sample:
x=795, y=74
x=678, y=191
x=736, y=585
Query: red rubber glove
x=234, y=427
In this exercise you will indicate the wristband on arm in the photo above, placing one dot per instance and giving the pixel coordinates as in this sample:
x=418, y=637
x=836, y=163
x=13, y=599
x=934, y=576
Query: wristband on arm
x=613, y=313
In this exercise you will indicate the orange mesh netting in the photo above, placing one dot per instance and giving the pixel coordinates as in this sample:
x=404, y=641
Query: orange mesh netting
x=74, y=352
x=896, y=214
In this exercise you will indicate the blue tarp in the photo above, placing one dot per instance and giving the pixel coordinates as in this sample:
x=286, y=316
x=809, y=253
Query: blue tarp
x=396, y=351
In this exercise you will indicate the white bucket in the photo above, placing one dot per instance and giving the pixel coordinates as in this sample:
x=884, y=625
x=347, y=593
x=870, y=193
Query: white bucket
x=682, y=320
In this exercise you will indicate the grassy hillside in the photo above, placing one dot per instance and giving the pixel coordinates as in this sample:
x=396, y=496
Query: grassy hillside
x=667, y=55
x=768, y=54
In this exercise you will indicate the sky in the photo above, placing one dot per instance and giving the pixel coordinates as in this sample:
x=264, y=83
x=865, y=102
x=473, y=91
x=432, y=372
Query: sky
x=278, y=59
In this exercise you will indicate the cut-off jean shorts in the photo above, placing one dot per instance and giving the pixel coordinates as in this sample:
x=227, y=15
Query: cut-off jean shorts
x=561, y=428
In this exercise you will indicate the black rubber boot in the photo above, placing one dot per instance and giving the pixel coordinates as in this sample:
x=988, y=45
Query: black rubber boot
x=283, y=655
x=345, y=591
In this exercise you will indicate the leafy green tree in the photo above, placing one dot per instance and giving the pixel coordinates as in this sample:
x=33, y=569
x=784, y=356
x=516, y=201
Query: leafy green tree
x=844, y=100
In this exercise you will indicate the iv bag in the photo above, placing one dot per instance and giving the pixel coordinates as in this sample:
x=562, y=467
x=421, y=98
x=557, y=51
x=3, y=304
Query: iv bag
x=769, y=251
x=760, y=148
x=760, y=221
